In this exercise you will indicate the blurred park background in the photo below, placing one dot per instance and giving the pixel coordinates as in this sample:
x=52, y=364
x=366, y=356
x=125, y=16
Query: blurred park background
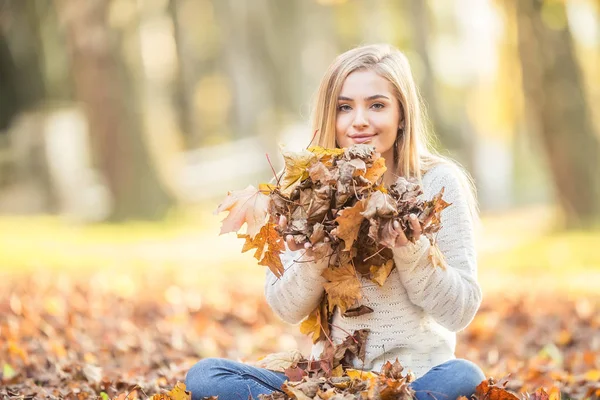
x=124, y=123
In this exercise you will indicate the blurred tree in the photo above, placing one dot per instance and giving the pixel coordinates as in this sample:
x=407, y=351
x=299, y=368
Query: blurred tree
x=102, y=85
x=21, y=78
x=557, y=108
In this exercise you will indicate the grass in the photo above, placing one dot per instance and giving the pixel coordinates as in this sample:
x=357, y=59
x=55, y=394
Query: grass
x=517, y=250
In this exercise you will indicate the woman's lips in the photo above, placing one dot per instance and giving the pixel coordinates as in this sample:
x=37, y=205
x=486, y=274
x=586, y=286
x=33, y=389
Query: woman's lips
x=362, y=138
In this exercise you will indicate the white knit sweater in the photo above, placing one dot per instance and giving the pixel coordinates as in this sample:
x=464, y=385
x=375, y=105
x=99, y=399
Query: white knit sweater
x=419, y=308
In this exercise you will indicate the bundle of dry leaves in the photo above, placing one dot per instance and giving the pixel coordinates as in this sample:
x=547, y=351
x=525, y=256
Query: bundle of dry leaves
x=334, y=200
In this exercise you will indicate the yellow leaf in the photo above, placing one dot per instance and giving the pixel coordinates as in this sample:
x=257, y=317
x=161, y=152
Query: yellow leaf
x=177, y=393
x=337, y=371
x=361, y=375
x=296, y=170
x=266, y=188
x=325, y=155
x=379, y=274
x=349, y=221
x=317, y=322
x=248, y=206
x=343, y=287
x=592, y=375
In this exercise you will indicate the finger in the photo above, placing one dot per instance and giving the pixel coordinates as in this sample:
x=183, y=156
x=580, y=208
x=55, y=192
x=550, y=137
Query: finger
x=289, y=240
x=307, y=245
x=401, y=240
x=415, y=225
x=282, y=221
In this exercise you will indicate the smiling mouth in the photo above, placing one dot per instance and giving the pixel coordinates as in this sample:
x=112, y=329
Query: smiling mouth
x=362, y=138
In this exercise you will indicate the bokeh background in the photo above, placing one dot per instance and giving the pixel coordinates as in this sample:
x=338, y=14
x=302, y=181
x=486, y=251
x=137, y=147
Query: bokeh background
x=123, y=123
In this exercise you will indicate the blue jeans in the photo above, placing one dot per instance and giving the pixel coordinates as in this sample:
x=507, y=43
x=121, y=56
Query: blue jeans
x=231, y=380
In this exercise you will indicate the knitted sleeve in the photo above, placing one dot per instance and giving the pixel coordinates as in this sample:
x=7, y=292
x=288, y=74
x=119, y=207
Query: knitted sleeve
x=451, y=296
x=298, y=291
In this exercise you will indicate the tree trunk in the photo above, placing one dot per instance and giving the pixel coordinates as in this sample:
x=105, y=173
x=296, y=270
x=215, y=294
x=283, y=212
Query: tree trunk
x=101, y=85
x=557, y=108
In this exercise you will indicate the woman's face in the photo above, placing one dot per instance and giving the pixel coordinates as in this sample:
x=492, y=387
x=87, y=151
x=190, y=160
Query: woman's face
x=368, y=112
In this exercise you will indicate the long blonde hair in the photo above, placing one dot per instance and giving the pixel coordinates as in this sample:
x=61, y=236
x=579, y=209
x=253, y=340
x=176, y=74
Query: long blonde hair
x=414, y=149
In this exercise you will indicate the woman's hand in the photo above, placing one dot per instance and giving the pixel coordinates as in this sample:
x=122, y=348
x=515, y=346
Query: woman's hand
x=417, y=229
x=289, y=239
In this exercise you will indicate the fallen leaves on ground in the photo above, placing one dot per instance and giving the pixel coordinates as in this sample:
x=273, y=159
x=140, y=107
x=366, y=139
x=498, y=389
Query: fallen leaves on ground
x=90, y=336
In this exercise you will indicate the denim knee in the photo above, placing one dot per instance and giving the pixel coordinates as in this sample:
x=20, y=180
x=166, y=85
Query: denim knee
x=199, y=377
x=470, y=374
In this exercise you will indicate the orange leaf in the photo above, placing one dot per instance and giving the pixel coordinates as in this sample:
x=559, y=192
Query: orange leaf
x=247, y=206
x=267, y=236
x=343, y=287
x=271, y=259
x=376, y=171
x=349, y=220
x=488, y=391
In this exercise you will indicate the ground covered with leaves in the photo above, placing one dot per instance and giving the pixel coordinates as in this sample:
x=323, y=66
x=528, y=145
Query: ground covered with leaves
x=115, y=334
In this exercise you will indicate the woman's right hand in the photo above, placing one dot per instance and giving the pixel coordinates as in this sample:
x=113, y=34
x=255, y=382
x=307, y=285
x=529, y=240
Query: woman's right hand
x=289, y=239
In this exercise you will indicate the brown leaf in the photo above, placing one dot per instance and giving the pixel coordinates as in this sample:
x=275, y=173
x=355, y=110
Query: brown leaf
x=393, y=371
x=358, y=311
x=348, y=224
x=381, y=205
x=247, y=206
x=318, y=172
x=342, y=287
x=294, y=374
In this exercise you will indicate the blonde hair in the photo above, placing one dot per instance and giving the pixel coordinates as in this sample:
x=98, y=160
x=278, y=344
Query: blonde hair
x=414, y=149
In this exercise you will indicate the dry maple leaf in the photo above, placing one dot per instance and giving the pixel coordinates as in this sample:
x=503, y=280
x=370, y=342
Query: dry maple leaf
x=393, y=371
x=271, y=259
x=348, y=221
x=266, y=237
x=342, y=287
x=489, y=390
x=247, y=206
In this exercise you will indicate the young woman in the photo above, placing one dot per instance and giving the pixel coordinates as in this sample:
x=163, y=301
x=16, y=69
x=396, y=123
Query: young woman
x=368, y=95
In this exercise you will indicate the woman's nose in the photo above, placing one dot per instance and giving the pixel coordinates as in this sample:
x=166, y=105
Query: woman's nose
x=360, y=119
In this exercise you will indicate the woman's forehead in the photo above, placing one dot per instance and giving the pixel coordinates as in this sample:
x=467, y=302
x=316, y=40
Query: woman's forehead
x=365, y=83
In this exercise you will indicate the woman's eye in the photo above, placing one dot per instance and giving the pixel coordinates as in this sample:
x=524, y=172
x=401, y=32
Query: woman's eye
x=377, y=106
x=344, y=107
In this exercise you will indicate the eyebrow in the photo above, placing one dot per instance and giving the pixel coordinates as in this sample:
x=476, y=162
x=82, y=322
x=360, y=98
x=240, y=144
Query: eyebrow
x=375, y=96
